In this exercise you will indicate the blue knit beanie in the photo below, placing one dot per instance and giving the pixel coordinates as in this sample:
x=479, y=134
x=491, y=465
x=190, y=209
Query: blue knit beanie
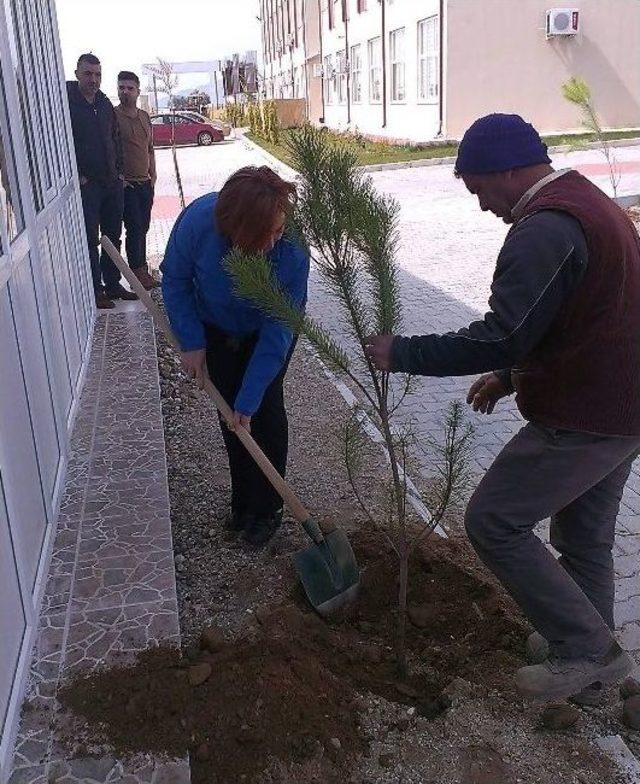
x=499, y=142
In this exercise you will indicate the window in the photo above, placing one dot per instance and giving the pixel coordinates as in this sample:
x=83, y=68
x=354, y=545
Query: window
x=356, y=73
x=429, y=59
x=157, y=120
x=331, y=13
x=10, y=200
x=329, y=79
x=341, y=67
x=374, y=47
x=362, y=6
x=396, y=56
x=29, y=118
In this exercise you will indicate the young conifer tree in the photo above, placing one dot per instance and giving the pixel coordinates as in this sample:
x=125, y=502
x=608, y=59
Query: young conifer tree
x=352, y=233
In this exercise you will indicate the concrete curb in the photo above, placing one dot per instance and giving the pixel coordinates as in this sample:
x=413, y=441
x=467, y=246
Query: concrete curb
x=444, y=161
x=615, y=748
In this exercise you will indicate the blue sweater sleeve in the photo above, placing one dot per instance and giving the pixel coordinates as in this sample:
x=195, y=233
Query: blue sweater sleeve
x=274, y=341
x=178, y=287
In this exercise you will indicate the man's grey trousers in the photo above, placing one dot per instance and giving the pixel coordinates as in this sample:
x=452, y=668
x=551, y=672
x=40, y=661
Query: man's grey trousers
x=577, y=480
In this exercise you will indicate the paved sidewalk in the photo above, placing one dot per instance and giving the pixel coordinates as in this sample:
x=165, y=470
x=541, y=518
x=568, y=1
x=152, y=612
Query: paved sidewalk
x=447, y=255
x=111, y=587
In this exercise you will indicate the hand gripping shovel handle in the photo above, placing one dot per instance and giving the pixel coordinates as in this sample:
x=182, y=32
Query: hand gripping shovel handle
x=284, y=490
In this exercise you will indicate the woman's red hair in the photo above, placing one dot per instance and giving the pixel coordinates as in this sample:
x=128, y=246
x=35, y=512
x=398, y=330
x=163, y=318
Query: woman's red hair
x=249, y=205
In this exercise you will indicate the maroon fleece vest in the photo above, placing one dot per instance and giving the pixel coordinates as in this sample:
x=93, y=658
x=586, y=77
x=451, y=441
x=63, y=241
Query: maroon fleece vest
x=585, y=374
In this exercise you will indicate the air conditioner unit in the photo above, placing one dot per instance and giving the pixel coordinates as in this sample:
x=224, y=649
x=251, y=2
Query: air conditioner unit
x=563, y=21
x=318, y=70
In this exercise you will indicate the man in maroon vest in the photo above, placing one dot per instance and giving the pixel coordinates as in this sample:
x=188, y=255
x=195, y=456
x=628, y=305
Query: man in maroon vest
x=563, y=332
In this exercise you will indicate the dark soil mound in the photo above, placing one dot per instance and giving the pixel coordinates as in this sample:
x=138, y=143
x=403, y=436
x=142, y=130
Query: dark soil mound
x=288, y=689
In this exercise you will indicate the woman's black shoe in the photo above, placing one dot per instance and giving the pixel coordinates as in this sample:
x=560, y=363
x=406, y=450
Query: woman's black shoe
x=259, y=530
x=237, y=521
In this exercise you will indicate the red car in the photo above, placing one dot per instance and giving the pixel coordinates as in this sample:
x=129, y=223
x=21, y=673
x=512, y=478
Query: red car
x=187, y=131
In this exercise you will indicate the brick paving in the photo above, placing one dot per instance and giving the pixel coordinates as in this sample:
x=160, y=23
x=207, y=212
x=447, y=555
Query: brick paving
x=446, y=255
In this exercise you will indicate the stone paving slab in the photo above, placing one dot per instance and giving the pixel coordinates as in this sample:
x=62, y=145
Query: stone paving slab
x=111, y=586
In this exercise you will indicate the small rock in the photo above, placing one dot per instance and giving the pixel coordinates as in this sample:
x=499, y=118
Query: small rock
x=421, y=615
x=202, y=752
x=407, y=690
x=212, y=639
x=262, y=613
x=179, y=559
x=199, y=673
x=629, y=687
x=559, y=716
x=335, y=743
x=372, y=653
x=385, y=760
x=456, y=692
x=631, y=712
x=430, y=709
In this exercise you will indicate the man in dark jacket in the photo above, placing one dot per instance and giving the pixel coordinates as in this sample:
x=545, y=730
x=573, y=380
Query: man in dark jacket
x=562, y=328
x=99, y=157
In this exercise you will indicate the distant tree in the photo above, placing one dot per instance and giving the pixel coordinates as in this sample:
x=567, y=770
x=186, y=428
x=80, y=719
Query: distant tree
x=578, y=92
x=167, y=81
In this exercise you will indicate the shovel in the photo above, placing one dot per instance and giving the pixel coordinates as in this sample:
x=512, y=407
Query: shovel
x=327, y=569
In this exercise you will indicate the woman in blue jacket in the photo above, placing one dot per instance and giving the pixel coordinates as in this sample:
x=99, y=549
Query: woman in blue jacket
x=245, y=352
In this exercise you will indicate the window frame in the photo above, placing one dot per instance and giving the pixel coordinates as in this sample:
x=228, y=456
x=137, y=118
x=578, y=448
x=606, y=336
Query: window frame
x=356, y=73
x=372, y=43
x=397, y=65
x=8, y=236
x=341, y=77
x=423, y=59
x=330, y=79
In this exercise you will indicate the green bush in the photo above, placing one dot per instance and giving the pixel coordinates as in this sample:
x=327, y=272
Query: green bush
x=235, y=114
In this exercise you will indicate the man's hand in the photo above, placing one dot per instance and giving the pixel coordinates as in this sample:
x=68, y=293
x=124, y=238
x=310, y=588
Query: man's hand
x=194, y=365
x=241, y=420
x=83, y=180
x=378, y=349
x=485, y=393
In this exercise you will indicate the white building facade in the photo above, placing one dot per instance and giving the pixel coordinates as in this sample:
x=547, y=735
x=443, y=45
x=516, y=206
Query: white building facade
x=381, y=67
x=421, y=70
x=46, y=323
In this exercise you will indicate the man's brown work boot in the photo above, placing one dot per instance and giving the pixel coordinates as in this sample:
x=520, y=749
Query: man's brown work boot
x=537, y=651
x=142, y=273
x=103, y=302
x=560, y=678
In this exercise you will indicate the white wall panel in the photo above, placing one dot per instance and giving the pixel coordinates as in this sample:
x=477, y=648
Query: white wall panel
x=28, y=324
x=68, y=255
x=21, y=477
x=12, y=616
x=60, y=368
x=66, y=304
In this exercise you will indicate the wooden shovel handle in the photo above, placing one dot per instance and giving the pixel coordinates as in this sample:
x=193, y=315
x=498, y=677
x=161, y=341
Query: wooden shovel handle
x=284, y=490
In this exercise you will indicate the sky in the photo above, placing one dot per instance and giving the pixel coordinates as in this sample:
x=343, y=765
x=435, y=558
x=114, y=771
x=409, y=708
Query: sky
x=124, y=34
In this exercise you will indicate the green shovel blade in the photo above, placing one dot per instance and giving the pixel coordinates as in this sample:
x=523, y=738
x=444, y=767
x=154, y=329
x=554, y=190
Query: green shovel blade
x=329, y=572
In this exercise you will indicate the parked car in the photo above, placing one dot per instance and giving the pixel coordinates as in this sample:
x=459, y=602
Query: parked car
x=225, y=127
x=187, y=130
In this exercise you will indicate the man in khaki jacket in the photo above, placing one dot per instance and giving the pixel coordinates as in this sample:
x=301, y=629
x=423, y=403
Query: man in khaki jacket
x=139, y=174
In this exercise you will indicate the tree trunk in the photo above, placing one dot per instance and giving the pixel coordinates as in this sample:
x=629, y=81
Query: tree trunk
x=401, y=653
